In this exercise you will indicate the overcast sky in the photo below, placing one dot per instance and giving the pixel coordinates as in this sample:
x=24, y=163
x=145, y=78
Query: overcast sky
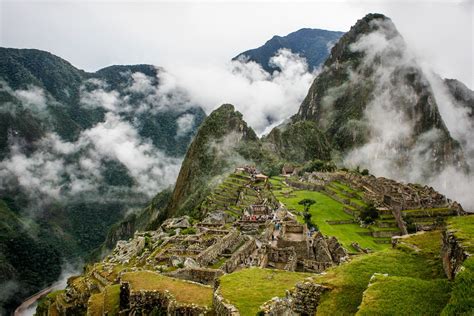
x=95, y=34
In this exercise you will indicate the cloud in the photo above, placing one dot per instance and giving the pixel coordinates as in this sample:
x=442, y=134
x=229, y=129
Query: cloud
x=100, y=98
x=263, y=99
x=33, y=98
x=60, y=169
x=396, y=149
x=185, y=124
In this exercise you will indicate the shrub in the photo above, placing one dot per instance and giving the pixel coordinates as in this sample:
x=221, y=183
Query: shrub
x=188, y=231
x=369, y=214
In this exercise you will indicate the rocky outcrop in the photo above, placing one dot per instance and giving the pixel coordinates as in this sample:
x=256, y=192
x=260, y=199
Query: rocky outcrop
x=365, y=90
x=221, y=141
x=452, y=254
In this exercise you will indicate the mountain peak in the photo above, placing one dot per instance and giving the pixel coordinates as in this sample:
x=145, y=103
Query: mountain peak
x=312, y=44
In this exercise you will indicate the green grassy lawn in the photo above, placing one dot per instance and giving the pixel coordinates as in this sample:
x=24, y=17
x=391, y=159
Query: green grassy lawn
x=184, y=292
x=463, y=227
x=95, y=305
x=248, y=289
x=390, y=295
x=349, y=280
x=462, y=297
x=112, y=299
x=328, y=209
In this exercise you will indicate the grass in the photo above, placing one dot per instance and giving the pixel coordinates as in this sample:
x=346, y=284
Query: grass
x=429, y=243
x=463, y=227
x=112, y=299
x=184, y=292
x=388, y=295
x=462, y=296
x=248, y=289
x=95, y=305
x=328, y=209
x=348, y=281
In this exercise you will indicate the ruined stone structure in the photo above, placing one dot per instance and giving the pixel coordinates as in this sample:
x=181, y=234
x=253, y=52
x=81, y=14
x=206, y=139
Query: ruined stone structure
x=302, y=300
x=198, y=275
x=452, y=254
x=142, y=302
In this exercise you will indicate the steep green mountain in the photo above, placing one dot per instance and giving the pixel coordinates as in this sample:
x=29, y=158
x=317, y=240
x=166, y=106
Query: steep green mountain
x=71, y=132
x=371, y=92
x=298, y=142
x=312, y=44
x=222, y=142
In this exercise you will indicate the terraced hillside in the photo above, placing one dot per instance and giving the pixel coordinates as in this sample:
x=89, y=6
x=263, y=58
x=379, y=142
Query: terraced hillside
x=254, y=253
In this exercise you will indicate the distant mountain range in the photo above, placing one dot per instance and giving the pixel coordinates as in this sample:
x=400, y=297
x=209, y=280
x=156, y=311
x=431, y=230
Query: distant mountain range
x=312, y=44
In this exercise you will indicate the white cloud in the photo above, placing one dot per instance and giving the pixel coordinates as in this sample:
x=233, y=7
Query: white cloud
x=101, y=98
x=185, y=124
x=141, y=83
x=33, y=98
x=263, y=99
x=390, y=151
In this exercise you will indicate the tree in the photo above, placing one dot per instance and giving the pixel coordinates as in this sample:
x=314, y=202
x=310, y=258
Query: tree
x=307, y=215
x=306, y=203
x=369, y=214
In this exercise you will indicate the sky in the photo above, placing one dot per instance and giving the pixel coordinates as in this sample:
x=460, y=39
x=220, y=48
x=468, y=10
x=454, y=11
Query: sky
x=95, y=34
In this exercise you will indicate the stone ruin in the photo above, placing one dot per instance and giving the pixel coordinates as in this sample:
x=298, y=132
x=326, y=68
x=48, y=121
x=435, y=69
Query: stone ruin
x=383, y=192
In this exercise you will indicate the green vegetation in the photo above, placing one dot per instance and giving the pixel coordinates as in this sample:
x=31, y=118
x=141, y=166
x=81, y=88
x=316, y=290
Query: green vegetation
x=349, y=281
x=325, y=209
x=318, y=165
x=298, y=142
x=184, y=292
x=463, y=227
x=390, y=295
x=462, y=296
x=248, y=289
x=369, y=214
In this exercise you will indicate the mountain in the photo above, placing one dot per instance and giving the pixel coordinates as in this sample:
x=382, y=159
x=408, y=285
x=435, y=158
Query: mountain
x=372, y=101
x=78, y=151
x=312, y=44
x=462, y=94
x=222, y=142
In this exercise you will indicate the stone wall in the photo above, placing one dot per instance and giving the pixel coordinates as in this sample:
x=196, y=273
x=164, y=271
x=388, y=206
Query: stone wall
x=316, y=266
x=210, y=254
x=199, y=275
x=302, y=300
x=304, y=186
x=399, y=220
x=452, y=254
x=221, y=306
x=145, y=302
x=240, y=256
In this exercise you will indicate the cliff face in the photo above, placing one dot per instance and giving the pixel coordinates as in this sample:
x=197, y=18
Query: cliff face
x=452, y=254
x=372, y=93
x=298, y=142
x=222, y=142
